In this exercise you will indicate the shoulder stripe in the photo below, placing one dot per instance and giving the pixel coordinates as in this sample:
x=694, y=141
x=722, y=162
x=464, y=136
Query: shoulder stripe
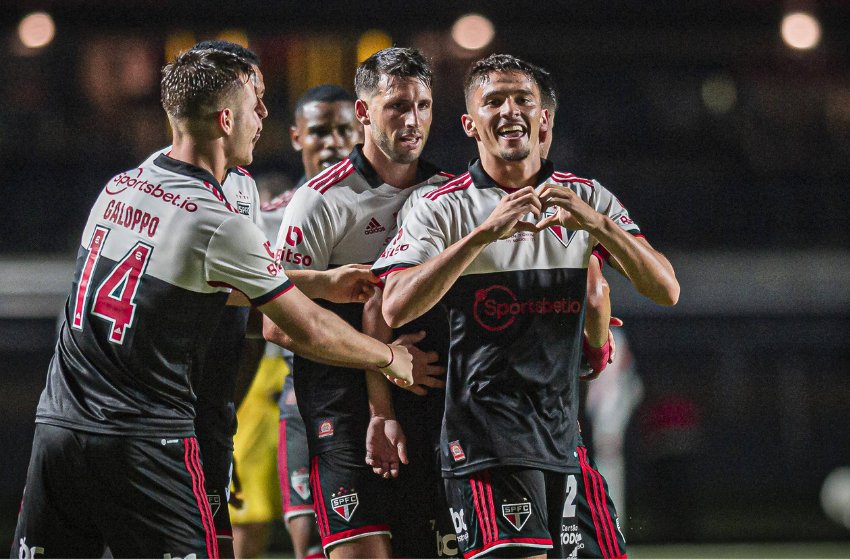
x=569, y=177
x=218, y=196
x=244, y=171
x=448, y=186
x=339, y=176
x=325, y=175
x=461, y=185
x=445, y=174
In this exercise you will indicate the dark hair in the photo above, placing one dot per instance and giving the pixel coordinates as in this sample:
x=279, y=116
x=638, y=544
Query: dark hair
x=227, y=46
x=479, y=72
x=325, y=93
x=548, y=91
x=398, y=62
x=197, y=81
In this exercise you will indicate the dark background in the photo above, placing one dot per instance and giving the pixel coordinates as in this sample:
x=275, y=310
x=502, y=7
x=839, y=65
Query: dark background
x=749, y=203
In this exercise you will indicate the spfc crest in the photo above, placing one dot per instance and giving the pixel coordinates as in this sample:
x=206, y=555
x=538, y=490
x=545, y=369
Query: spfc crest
x=345, y=505
x=517, y=514
x=215, y=503
x=561, y=233
x=300, y=480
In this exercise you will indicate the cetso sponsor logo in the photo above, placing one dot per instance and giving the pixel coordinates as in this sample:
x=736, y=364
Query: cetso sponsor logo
x=517, y=514
x=571, y=539
x=300, y=481
x=345, y=503
x=497, y=307
x=28, y=552
x=294, y=237
x=124, y=181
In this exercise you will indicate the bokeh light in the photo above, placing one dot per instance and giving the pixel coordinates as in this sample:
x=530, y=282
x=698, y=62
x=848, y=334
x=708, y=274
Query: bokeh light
x=473, y=32
x=36, y=30
x=371, y=42
x=800, y=31
x=719, y=94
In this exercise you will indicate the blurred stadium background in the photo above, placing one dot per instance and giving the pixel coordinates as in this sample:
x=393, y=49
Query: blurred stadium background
x=723, y=126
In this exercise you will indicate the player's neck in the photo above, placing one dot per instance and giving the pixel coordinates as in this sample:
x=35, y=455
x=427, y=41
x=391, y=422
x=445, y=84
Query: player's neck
x=206, y=155
x=399, y=175
x=511, y=174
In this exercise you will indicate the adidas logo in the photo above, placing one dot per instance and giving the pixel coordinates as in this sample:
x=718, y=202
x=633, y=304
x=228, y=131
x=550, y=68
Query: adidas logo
x=374, y=227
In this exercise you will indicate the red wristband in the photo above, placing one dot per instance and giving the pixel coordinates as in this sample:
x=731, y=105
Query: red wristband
x=597, y=357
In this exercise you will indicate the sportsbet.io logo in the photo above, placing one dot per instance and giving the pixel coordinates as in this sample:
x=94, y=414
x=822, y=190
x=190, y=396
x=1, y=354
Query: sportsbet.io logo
x=497, y=307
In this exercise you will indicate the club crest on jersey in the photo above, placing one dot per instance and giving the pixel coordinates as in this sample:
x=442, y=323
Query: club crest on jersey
x=344, y=503
x=561, y=233
x=215, y=503
x=326, y=429
x=517, y=514
x=300, y=480
x=457, y=451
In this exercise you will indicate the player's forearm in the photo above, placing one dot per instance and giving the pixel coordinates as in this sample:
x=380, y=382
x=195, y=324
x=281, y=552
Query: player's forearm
x=320, y=335
x=410, y=293
x=312, y=283
x=598, y=313
x=648, y=270
x=380, y=396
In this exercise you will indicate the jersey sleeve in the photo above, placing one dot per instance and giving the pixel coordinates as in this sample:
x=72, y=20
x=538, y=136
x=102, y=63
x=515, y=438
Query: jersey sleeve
x=307, y=232
x=422, y=235
x=240, y=256
x=606, y=203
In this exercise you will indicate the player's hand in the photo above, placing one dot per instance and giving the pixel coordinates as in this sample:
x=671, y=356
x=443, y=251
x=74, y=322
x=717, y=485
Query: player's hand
x=386, y=446
x=351, y=283
x=572, y=212
x=595, y=359
x=400, y=368
x=426, y=371
x=507, y=217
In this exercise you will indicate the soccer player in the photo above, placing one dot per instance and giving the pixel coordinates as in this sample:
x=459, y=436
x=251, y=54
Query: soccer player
x=115, y=461
x=215, y=421
x=346, y=214
x=509, y=263
x=271, y=445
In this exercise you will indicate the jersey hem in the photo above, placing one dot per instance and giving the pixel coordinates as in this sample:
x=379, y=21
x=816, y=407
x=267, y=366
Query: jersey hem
x=148, y=432
x=273, y=294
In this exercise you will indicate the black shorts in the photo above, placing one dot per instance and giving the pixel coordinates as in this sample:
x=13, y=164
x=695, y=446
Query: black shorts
x=420, y=520
x=215, y=427
x=350, y=500
x=513, y=510
x=590, y=527
x=142, y=497
x=293, y=467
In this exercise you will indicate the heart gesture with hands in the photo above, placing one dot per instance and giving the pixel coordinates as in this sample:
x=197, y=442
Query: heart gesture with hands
x=573, y=212
x=507, y=217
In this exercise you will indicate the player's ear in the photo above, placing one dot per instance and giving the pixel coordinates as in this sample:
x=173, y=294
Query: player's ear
x=361, y=112
x=544, y=120
x=294, y=138
x=469, y=126
x=225, y=120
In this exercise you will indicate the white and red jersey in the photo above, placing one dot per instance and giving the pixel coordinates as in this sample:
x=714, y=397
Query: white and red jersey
x=515, y=317
x=161, y=249
x=344, y=215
